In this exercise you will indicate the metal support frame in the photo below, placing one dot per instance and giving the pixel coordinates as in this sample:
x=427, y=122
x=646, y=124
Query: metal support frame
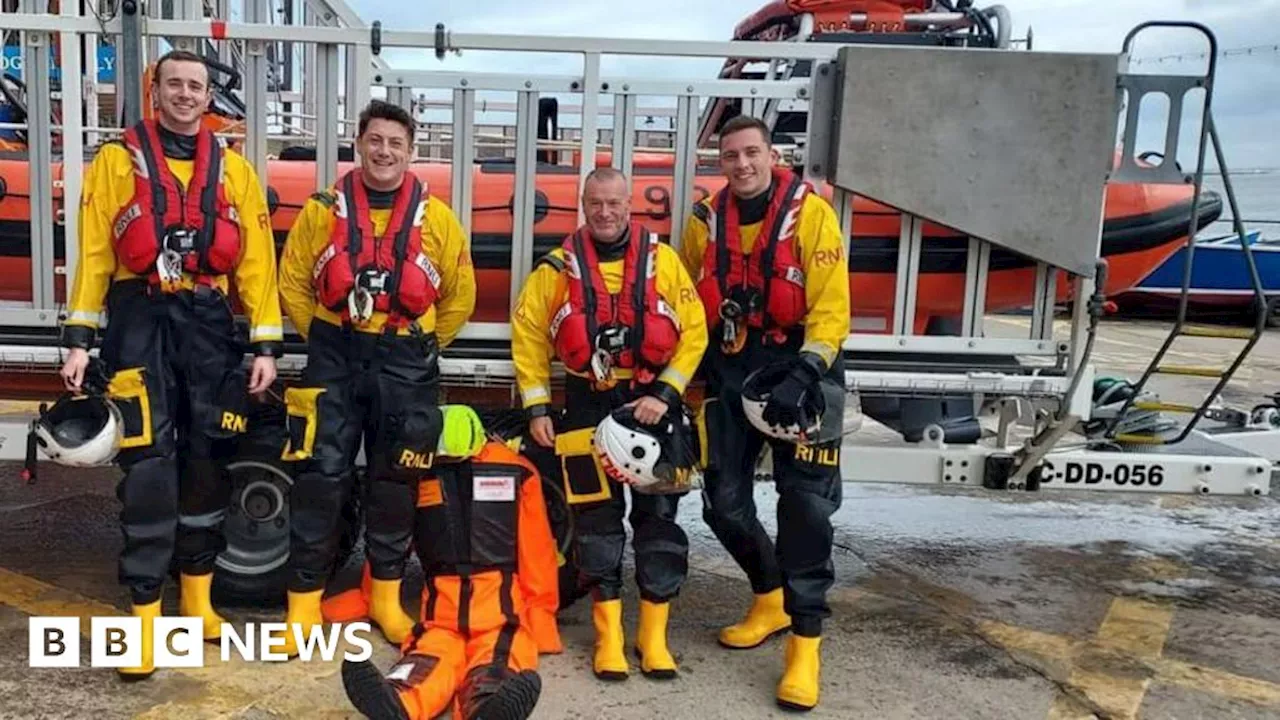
x=188, y=10
x=72, y=100
x=310, y=66
x=948, y=345
x=90, y=85
x=817, y=146
x=910, y=243
x=523, y=211
x=130, y=63
x=40, y=147
x=685, y=165
x=463, y=155
x=326, y=83
x=1069, y=469
x=977, y=265
x=359, y=77
x=624, y=135
x=255, y=90
x=1183, y=472
x=1045, y=293
x=401, y=96
x=154, y=11
x=591, y=87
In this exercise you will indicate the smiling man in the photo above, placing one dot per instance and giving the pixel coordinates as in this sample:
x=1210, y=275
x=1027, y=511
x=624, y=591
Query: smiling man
x=377, y=276
x=771, y=271
x=168, y=217
x=616, y=306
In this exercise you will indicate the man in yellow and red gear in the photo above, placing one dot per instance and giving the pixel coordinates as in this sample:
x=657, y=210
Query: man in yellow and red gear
x=376, y=274
x=773, y=276
x=490, y=595
x=168, y=216
x=618, y=309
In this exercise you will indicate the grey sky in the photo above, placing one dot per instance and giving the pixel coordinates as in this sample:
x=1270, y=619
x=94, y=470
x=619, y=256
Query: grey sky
x=1246, y=99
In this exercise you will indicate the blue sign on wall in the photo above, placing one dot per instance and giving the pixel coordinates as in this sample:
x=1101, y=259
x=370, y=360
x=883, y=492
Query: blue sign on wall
x=12, y=60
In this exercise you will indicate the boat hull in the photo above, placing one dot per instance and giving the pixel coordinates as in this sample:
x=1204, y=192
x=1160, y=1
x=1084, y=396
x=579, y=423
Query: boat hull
x=1220, y=276
x=1144, y=225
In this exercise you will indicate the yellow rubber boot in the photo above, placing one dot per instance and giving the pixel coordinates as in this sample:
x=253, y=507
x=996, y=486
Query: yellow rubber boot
x=148, y=613
x=610, y=662
x=385, y=610
x=304, y=613
x=651, y=641
x=765, y=619
x=798, y=689
x=194, y=601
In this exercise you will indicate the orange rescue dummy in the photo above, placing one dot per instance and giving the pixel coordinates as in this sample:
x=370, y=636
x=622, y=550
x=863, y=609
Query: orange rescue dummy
x=490, y=596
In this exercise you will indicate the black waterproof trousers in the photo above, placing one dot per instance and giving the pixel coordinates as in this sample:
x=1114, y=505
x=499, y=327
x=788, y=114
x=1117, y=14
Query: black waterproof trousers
x=599, y=505
x=807, y=479
x=357, y=387
x=172, y=358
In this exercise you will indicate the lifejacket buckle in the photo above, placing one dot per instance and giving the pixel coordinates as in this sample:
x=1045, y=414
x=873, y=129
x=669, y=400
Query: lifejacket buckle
x=181, y=240
x=730, y=309
x=360, y=305
x=373, y=281
x=612, y=339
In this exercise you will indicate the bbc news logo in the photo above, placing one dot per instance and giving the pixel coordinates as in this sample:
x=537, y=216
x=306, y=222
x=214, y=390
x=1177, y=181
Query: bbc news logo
x=178, y=642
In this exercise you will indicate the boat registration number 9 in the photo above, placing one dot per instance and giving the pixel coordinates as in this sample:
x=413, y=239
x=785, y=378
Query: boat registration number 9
x=1092, y=473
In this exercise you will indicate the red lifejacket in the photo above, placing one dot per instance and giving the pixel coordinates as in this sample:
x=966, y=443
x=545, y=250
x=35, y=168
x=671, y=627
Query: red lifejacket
x=161, y=209
x=393, y=266
x=772, y=276
x=645, y=325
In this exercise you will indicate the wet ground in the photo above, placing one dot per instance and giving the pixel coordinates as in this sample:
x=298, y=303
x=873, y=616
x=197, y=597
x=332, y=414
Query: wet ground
x=948, y=604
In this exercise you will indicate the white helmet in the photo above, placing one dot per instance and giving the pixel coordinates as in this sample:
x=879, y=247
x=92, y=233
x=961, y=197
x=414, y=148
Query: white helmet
x=826, y=412
x=650, y=458
x=79, y=430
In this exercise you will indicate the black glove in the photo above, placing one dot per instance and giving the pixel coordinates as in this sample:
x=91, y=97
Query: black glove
x=783, y=407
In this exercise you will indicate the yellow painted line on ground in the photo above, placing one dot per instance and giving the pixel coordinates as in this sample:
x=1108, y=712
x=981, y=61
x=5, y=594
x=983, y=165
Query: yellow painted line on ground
x=1134, y=629
x=1043, y=645
x=225, y=689
x=34, y=597
x=1218, y=682
x=21, y=407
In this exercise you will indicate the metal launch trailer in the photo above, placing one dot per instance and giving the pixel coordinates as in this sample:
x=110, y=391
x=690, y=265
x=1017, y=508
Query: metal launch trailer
x=1012, y=150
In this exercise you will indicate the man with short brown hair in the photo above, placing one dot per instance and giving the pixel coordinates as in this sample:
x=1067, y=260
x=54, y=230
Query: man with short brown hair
x=377, y=276
x=769, y=262
x=169, y=216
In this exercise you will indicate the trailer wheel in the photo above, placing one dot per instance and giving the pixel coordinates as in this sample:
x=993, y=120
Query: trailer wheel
x=252, y=569
x=1273, y=312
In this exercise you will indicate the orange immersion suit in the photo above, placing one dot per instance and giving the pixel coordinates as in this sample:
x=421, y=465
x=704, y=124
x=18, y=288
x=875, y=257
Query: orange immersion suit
x=489, y=601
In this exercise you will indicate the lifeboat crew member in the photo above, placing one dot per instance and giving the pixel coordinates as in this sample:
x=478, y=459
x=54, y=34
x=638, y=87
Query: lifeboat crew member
x=618, y=309
x=376, y=274
x=490, y=589
x=168, y=215
x=772, y=274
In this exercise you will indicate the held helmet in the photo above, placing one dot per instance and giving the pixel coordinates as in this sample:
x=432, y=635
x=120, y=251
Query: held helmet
x=79, y=430
x=825, y=415
x=462, y=434
x=653, y=459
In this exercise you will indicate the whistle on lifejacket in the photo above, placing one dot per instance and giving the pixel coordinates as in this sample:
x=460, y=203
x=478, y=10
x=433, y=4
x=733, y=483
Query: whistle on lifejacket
x=732, y=336
x=370, y=283
x=169, y=270
x=360, y=305
x=602, y=369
